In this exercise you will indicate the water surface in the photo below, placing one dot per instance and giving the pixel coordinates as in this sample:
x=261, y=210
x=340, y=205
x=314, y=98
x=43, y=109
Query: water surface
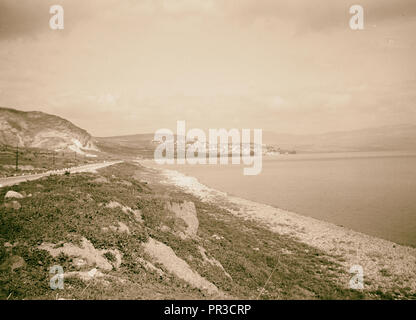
x=371, y=192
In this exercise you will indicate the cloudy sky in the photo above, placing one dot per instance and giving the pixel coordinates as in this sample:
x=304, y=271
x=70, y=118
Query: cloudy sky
x=124, y=66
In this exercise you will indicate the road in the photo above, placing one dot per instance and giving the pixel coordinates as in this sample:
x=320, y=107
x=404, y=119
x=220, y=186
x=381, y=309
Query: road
x=9, y=181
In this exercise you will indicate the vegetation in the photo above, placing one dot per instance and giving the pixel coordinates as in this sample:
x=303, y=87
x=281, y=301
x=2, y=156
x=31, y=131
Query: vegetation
x=33, y=160
x=252, y=261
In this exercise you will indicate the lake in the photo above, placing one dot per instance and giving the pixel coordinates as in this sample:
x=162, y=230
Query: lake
x=370, y=192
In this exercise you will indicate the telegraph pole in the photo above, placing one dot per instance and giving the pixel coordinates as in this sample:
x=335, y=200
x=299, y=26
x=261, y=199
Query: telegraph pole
x=17, y=156
x=54, y=158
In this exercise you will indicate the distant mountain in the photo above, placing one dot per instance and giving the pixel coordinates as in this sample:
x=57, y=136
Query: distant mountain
x=36, y=129
x=386, y=138
x=130, y=145
x=41, y=130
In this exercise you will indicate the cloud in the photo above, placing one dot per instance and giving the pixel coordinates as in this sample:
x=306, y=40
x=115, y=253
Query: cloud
x=24, y=18
x=105, y=100
x=18, y=18
x=317, y=14
x=135, y=64
x=188, y=6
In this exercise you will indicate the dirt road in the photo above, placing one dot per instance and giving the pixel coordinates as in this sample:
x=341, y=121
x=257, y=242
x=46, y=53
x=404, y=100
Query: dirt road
x=9, y=181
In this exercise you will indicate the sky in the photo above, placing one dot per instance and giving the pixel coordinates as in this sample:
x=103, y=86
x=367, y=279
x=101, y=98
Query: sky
x=127, y=67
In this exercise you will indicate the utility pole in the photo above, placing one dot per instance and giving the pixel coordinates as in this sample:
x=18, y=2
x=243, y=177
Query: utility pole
x=17, y=156
x=53, y=158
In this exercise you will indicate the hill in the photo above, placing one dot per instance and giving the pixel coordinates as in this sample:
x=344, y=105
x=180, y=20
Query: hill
x=386, y=138
x=36, y=129
x=130, y=145
x=149, y=240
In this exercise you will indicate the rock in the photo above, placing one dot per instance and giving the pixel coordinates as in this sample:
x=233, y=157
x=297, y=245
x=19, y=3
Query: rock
x=138, y=215
x=13, y=205
x=87, y=252
x=113, y=205
x=127, y=210
x=17, y=262
x=101, y=180
x=187, y=212
x=165, y=256
x=78, y=262
x=85, y=275
x=217, y=237
x=126, y=183
x=13, y=263
x=165, y=229
x=123, y=228
x=13, y=194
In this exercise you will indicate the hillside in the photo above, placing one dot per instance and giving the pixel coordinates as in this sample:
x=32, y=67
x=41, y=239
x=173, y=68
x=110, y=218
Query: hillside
x=131, y=145
x=149, y=240
x=36, y=129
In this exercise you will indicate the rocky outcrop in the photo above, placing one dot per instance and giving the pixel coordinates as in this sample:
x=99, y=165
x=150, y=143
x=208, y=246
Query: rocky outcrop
x=164, y=255
x=187, y=212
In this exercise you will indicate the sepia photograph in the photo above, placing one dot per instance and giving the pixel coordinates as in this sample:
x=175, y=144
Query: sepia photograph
x=207, y=150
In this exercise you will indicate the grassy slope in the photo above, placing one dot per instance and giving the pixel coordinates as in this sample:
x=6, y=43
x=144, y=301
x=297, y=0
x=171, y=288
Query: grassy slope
x=66, y=208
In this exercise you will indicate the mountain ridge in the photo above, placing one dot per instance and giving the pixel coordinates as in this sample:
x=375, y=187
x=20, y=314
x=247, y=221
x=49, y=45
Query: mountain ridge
x=383, y=138
x=43, y=130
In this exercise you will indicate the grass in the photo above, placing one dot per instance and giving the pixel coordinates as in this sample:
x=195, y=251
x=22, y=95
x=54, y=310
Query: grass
x=64, y=209
x=32, y=160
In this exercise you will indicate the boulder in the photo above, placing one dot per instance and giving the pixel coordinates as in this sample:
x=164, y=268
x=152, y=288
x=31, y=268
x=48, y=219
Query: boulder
x=13, y=194
x=13, y=205
x=12, y=263
x=101, y=180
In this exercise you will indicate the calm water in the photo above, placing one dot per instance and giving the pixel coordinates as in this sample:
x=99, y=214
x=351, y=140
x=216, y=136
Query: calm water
x=374, y=193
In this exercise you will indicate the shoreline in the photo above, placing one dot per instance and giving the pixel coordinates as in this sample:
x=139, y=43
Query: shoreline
x=386, y=265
